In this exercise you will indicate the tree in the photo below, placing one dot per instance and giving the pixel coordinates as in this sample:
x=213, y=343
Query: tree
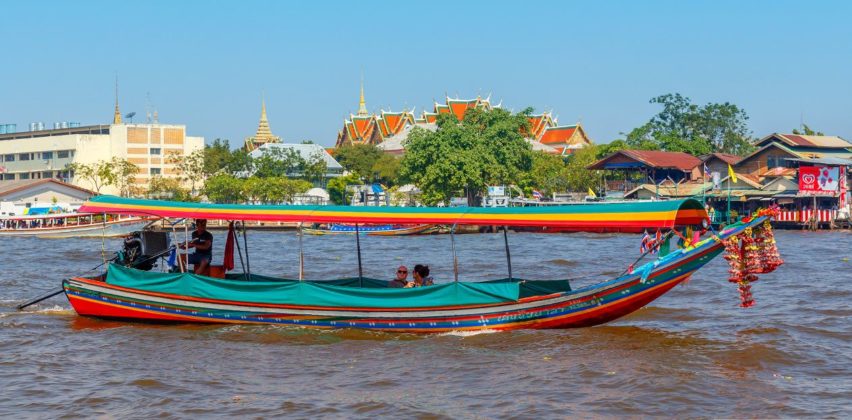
x=386, y=169
x=577, y=176
x=277, y=161
x=315, y=168
x=485, y=149
x=191, y=168
x=224, y=188
x=682, y=126
x=359, y=159
x=337, y=188
x=122, y=174
x=547, y=174
x=117, y=172
x=807, y=131
x=610, y=148
x=217, y=156
x=168, y=188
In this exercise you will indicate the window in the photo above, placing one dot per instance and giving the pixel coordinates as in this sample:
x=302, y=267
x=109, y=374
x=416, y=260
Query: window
x=155, y=171
x=155, y=151
x=23, y=176
x=47, y=174
x=47, y=155
x=8, y=177
x=9, y=158
x=63, y=154
x=24, y=156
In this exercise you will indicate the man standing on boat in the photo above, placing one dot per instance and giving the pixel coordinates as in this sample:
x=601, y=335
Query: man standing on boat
x=202, y=241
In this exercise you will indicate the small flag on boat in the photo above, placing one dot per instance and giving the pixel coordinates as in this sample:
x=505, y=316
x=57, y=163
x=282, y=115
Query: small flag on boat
x=537, y=195
x=643, y=246
x=592, y=193
x=731, y=173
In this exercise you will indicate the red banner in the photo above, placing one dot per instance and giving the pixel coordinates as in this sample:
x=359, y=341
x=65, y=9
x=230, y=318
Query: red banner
x=819, y=179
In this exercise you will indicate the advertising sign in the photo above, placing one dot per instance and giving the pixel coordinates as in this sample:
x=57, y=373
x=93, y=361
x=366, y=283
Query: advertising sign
x=819, y=179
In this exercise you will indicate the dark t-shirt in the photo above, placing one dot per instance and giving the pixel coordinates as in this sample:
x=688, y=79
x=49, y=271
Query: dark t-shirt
x=206, y=236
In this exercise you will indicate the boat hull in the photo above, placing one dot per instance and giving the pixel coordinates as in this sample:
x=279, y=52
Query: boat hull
x=588, y=306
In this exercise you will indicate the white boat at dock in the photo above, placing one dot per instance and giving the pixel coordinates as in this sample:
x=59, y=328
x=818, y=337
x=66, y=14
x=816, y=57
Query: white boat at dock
x=70, y=225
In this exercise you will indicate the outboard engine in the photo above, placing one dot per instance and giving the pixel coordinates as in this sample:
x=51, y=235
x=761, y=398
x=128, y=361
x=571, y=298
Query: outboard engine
x=142, y=249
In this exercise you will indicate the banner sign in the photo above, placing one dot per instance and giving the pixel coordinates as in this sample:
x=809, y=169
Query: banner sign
x=819, y=179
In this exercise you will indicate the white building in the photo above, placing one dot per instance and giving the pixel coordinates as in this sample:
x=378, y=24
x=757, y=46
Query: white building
x=46, y=153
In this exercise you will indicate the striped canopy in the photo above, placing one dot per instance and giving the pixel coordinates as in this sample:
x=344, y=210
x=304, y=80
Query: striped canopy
x=621, y=216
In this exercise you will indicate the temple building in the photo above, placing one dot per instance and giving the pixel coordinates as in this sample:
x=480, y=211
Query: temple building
x=388, y=129
x=264, y=133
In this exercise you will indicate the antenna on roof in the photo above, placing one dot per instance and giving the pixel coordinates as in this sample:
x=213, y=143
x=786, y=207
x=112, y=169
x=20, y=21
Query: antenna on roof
x=148, y=107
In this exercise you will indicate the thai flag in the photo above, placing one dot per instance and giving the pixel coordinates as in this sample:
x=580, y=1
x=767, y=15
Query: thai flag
x=537, y=195
x=643, y=246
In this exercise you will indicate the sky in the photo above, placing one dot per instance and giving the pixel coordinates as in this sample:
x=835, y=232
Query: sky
x=208, y=64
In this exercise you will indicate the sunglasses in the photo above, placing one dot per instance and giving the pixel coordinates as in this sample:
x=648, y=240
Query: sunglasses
x=401, y=271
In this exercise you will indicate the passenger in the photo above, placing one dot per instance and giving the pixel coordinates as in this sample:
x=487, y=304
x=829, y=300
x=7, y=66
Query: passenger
x=421, y=276
x=401, y=279
x=202, y=241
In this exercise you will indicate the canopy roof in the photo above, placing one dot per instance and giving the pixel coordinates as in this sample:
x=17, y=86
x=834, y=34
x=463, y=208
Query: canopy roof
x=658, y=214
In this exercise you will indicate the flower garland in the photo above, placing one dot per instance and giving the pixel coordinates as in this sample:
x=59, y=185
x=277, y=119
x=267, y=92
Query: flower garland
x=750, y=253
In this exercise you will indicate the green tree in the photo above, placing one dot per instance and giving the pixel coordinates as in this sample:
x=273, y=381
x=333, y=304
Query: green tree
x=190, y=168
x=116, y=172
x=485, y=149
x=386, y=169
x=578, y=177
x=807, y=131
x=682, y=126
x=547, y=174
x=337, y=188
x=277, y=161
x=217, y=156
x=224, y=188
x=315, y=168
x=359, y=159
x=169, y=189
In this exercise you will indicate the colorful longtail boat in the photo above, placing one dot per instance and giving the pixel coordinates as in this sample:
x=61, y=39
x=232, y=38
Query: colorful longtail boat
x=501, y=304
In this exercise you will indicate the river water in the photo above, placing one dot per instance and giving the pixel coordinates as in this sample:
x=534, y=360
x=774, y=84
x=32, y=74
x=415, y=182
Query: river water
x=691, y=353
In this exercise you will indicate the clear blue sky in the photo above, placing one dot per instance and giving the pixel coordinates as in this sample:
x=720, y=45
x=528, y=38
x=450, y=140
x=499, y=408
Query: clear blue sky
x=206, y=64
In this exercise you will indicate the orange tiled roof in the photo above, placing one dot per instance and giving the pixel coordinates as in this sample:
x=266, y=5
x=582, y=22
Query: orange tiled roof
x=558, y=135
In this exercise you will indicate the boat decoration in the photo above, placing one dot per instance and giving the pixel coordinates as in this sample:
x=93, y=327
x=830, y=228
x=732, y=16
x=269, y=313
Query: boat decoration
x=657, y=215
x=360, y=302
x=371, y=230
x=749, y=253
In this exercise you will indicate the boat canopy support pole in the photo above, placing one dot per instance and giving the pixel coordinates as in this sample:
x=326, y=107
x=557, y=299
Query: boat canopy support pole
x=508, y=254
x=301, y=255
x=245, y=244
x=455, y=257
x=358, y=247
x=240, y=254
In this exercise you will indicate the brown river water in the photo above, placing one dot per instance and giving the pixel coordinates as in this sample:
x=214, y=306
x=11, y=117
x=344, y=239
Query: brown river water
x=691, y=353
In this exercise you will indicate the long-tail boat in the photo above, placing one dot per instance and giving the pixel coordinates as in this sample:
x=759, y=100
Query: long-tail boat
x=365, y=303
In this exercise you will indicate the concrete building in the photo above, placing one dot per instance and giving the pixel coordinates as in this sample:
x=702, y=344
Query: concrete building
x=44, y=154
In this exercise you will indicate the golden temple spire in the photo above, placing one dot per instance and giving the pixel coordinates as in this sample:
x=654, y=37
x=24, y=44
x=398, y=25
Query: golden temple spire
x=263, y=130
x=362, y=105
x=116, y=118
x=264, y=133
